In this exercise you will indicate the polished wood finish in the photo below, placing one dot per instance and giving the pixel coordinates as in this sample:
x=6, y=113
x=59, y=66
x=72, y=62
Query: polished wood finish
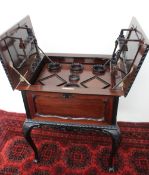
x=74, y=105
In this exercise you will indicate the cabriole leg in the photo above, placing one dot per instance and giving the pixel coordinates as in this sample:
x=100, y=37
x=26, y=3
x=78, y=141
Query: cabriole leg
x=27, y=128
x=115, y=134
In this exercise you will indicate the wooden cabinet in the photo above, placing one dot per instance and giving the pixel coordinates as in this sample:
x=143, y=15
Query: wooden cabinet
x=77, y=91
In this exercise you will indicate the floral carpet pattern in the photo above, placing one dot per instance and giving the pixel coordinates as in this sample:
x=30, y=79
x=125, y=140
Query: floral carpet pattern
x=69, y=152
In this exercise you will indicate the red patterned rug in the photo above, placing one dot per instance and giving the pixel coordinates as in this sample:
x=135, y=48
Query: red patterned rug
x=71, y=153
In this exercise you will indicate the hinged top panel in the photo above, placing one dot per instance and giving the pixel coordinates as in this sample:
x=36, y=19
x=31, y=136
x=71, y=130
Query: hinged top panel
x=134, y=48
x=19, y=52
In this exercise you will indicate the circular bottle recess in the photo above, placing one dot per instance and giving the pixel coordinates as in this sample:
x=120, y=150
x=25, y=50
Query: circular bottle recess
x=74, y=78
x=54, y=66
x=98, y=68
x=76, y=67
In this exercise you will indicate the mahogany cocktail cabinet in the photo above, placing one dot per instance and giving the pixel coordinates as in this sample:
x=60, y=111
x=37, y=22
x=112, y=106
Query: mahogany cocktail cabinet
x=72, y=91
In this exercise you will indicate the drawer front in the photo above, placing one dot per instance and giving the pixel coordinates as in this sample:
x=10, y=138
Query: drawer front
x=73, y=105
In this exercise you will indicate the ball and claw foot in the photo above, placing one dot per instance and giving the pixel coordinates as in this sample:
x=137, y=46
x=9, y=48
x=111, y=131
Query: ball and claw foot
x=111, y=169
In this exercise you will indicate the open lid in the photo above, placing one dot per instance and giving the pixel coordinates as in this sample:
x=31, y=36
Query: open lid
x=19, y=52
x=134, y=48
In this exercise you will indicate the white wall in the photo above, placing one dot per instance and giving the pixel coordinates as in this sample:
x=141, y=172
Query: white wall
x=80, y=26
